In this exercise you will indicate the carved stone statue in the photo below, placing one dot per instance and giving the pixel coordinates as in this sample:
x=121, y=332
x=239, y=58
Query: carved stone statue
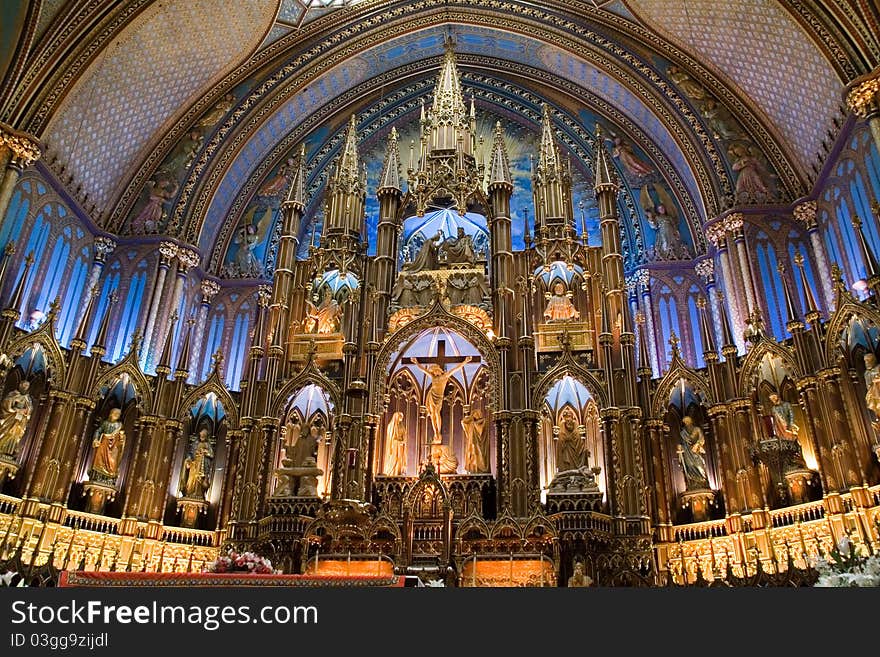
x=108, y=441
x=403, y=294
x=560, y=308
x=579, y=578
x=292, y=431
x=424, y=290
x=692, y=455
x=426, y=259
x=457, y=288
x=15, y=413
x=308, y=478
x=570, y=452
x=395, y=447
x=477, y=291
x=783, y=419
x=476, y=441
x=437, y=380
x=872, y=382
x=324, y=318
x=667, y=240
x=197, y=467
x=459, y=249
x=307, y=446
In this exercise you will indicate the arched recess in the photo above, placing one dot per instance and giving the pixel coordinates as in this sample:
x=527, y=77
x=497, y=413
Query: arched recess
x=212, y=385
x=129, y=370
x=44, y=339
x=842, y=336
x=749, y=370
x=677, y=373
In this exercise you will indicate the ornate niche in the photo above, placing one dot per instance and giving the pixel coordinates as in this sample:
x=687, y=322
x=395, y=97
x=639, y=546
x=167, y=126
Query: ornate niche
x=437, y=409
x=326, y=314
x=107, y=449
x=691, y=453
x=200, y=461
x=564, y=301
x=782, y=445
x=303, y=454
x=571, y=448
x=21, y=412
x=859, y=344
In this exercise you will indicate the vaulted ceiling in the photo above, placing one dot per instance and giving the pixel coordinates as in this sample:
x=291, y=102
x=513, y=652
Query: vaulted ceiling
x=113, y=89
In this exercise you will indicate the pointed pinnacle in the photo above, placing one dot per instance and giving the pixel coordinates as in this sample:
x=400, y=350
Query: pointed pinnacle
x=296, y=195
x=726, y=334
x=791, y=309
x=706, y=334
x=606, y=178
x=101, y=339
x=182, y=370
x=499, y=169
x=165, y=360
x=872, y=270
x=390, y=178
x=811, y=310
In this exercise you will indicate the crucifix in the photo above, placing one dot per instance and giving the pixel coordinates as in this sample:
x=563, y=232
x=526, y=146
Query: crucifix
x=438, y=377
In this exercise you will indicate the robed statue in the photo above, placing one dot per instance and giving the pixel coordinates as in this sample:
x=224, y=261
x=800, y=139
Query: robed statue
x=872, y=382
x=108, y=441
x=15, y=413
x=459, y=249
x=570, y=451
x=324, y=318
x=307, y=446
x=395, y=447
x=782, y=415
x=197, y=467
x=692, y=454
x=560, y=308
x=437, y=380
x=426, y=259
x=476, y=441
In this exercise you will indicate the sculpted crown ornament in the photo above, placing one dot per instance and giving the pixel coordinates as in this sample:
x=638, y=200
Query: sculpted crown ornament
x=863, y=94
x=25, y=149
x=806, y=213
x=705, y=268
x=104, y=246
x=209, y=288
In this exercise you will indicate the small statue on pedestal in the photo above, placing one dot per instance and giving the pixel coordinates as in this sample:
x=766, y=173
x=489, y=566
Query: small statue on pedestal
x=692, y=455
x=15, y=413
x=560, y=308
x=197, y=467
x=579, y=578
x=108, y=441
x=783, y=419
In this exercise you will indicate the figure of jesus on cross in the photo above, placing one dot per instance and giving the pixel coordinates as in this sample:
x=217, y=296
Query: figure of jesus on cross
x=438, y=377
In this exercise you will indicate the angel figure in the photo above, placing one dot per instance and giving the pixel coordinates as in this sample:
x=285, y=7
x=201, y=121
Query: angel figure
x=663, y=218
x=750, y=173
x=632, y=163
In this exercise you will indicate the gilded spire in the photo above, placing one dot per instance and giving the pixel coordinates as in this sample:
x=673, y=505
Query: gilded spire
x=726, y=334
x=296, y=195
x=872, y=270
x=345, y=198
x=103, y=329
x=644, y=357
x=606, y=179
x=182, y=370
x=448, y=107
x=499, y=168
x=549, y=160
x=811, y=310
x=706, y=334
x=390, y=179
x=551, y=180
x=789, y=301
x=348, y=171
x=164, y=366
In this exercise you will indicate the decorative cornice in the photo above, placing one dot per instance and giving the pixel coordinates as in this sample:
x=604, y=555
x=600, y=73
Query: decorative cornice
x=209, y=289
x=25, y=149
x=705, y=269
x=805, y=213
x=104, y=246
x=863, y=94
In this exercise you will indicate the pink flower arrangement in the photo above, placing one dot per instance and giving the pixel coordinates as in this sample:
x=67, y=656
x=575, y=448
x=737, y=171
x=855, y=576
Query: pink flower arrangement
x=246, y=562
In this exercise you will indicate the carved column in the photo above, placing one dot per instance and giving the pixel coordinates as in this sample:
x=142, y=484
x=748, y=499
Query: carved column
x=186, y=259
x=734, y=225
x=805, y=213
x=718, y=235
x=209, y=289
x=661, y=483
x=17, y=152
x=643, y=284
x=863, y=98
x=167, y=253
x=104, y=246
x=705, y=269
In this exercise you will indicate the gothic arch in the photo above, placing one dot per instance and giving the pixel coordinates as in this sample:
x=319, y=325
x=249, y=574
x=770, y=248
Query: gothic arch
x=310, y=375
x=838, y=322
x=568, y=366
x=128, y=365
x=56, y=374
x=436, y=316
x=676, y=373
x=753, y=359
x=213, y=384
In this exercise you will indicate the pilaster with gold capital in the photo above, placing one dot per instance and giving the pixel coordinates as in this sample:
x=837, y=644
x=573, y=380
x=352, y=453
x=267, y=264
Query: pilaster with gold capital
x=717, y=234
x=806, y=214
x=863, y=98
x=167, y=253
x=208, y=289
x=18, y=151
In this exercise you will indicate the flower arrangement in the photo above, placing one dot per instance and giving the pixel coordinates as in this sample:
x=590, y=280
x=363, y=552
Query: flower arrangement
x=245, y=562
x=849, y=565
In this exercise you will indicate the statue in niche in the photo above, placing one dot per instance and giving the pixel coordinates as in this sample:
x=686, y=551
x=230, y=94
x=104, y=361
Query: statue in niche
x=560, y=308
x=308, y=480
x=292, y=431
x=427, y=257
x=197, y=467
x=476, y=441
x=437, y=380
x=477, y=291
x=108, y=441
x=662, y=217
x=872, y=382
x=395, y=447
x=324, y=318
x=403, y=293
x=750, y=173
x=782, y=416
x=307, y=446
x=459, y=249
x=15, y=413
x=692, y=455
x=579, y=578
x=570, y=451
